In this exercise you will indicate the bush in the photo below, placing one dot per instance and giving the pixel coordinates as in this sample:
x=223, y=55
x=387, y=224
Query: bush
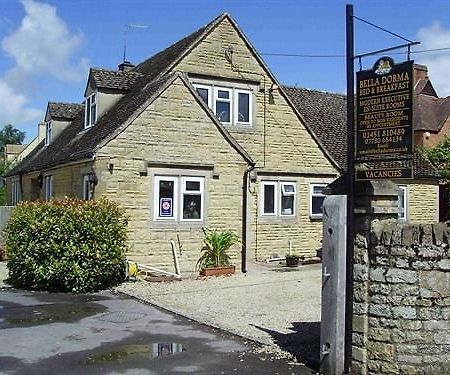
x=66, y=246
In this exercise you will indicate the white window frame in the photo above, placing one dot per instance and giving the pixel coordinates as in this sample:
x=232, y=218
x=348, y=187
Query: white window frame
x=179, y=190
x=48, y=187
x=403, y=216
x=263, y=198
x=311, y=195
x=236, y=106
x=223, y=100
x=285, y=193
x=87, y=188
x=206, y=87
x=16, y=195
x=200, y=192
x=90, y=104
x=48, y=132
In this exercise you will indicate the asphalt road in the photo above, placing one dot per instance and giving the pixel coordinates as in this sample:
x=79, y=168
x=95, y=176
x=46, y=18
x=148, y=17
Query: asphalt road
x=102, y=333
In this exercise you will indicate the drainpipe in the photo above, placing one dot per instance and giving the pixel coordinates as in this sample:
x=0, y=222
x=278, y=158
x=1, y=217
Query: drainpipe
x=250, y=168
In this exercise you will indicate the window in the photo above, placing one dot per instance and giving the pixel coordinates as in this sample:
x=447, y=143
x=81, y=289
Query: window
x=402, y=202
x=87, y=188
x=48, y=132
x=243, y=107
x=169, y=197
x=48, y=186
x=16, y=194
x=205, y=93
x=90, y=111
x=232, y=106
x=222, y=104
x=278, y=198
x=316, y=200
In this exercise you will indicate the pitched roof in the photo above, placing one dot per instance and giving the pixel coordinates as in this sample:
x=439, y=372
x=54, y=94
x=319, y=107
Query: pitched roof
x=114, y=79
x=430, y=112
x=425, y=87
x=326, y=115
x=67, y=111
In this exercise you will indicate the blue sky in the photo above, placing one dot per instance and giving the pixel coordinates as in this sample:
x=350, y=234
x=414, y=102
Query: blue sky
x=47, y=46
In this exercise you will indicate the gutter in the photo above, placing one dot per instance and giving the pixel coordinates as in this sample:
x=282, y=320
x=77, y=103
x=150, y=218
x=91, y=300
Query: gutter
x=250, y=168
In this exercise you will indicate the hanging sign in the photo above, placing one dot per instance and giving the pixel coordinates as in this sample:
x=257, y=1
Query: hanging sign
x=384, y=114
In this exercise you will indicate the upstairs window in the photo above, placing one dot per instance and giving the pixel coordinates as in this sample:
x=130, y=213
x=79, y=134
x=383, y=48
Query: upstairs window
x=90, y=111
x=48, y=187
x=232, y=106
x=316, y=200
x=48, y=132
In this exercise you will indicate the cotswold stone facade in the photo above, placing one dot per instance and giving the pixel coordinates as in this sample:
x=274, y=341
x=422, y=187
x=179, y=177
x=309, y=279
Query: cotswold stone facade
x=401, y=321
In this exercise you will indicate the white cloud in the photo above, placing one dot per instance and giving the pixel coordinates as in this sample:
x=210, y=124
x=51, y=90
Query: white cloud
x=43, y=45
x=41, y=48
x=434, y=37
x=13, y=107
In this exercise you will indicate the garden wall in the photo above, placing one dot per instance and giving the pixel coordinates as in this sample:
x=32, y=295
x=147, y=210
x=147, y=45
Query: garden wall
x=401, y=299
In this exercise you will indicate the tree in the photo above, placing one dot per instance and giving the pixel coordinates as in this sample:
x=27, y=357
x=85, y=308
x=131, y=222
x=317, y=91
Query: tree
x=10, y=135
x=440, y=157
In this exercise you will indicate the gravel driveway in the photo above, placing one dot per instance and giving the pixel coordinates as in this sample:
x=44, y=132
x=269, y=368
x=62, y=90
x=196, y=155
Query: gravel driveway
x=265, y=304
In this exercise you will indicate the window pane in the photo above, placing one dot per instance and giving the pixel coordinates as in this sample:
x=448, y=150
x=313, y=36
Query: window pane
x=166, y=195
x=203, y=94
x=317, y=203
x=223, y=94
x=401, y=203
x=193, y=185
x=269, y=199
x=223, y=111
x=318, y=189
x=93, y=112
x=192, y=206
x=243, y=107
x=288, y=188
x=287, y=205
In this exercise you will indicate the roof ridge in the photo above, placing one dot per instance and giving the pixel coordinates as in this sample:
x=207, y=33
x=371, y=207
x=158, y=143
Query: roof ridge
x=314, y=90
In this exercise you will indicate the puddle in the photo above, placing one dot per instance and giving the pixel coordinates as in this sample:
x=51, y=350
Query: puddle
x=25, y=316
x=149, y=351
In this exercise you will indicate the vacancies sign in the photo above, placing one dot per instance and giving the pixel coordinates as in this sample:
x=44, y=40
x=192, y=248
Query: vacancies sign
x=384, y=125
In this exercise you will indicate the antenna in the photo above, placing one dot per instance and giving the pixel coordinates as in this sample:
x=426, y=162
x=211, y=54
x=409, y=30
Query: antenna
x=129, y=26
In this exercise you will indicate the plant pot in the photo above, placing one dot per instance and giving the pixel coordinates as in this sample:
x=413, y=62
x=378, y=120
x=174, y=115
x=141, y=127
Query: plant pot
x=292, y=261
x=217, y=271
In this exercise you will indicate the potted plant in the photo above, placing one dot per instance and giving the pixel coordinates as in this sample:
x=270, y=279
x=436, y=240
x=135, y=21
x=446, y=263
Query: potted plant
x=292, y=260
x=215, y=259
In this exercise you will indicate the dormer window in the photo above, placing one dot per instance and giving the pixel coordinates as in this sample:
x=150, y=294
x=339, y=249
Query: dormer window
x=48, y=132
x=90, y=110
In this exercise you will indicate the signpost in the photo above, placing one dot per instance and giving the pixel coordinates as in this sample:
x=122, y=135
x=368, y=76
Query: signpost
x=384, y=120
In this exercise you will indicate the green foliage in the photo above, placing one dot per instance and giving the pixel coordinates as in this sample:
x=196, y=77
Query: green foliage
x=66, y=246
x=3, y=168
x=440, y=157
x=10, y=135
x=215, y=247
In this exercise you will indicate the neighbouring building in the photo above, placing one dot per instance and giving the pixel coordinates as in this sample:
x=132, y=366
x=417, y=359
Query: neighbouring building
x=201, y=135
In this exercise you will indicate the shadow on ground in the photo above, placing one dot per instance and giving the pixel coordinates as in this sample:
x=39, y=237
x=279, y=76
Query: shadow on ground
x=304, y=343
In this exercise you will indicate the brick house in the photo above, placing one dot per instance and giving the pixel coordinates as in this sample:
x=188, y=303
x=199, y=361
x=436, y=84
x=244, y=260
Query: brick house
x=199, y=135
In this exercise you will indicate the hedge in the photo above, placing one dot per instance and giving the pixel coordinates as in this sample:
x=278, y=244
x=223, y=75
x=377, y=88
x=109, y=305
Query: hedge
x=70, y=245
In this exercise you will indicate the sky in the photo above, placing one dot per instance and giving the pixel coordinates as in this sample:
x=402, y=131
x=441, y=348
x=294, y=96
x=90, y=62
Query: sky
x=48, y=46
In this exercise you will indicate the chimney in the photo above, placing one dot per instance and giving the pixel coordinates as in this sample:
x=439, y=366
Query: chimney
x=420, y=72
x=126, y=66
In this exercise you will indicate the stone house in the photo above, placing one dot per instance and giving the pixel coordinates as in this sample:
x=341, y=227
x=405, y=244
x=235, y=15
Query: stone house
x=201, y=135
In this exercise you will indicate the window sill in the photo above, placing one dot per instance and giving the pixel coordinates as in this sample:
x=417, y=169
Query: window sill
x=240, y=128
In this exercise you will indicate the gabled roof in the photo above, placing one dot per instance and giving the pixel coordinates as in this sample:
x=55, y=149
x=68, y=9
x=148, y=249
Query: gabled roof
x=326, y=115
x=65, y=111
x=425, y=87
x=113, y=79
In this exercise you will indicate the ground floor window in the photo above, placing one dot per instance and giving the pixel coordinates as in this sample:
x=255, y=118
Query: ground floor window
x=87, y=188
x=179, y=198
x=278, y=198
x=48, y=187
x=16, y=193
x=402, y=202
x=316, y=200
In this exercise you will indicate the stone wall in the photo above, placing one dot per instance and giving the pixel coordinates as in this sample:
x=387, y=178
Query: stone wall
x=401, y=294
